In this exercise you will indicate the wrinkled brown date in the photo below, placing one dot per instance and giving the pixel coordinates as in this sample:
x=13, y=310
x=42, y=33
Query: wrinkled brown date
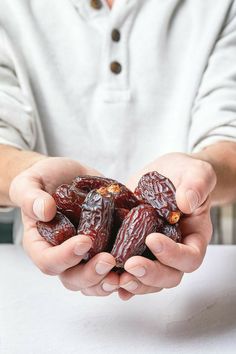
x=159, y=191
x=130, y=241
x=88, y=183
x=57, y=230
x=123, y=197
x=116, y=219
x=172, y=231
x=96, y=220
x=69, y=201
x=119, y=216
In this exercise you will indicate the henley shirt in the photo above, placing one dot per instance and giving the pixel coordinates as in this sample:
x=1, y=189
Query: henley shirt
x=116, y=88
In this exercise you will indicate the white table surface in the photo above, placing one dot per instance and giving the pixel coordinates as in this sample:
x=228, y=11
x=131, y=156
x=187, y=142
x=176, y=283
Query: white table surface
x=37, y=315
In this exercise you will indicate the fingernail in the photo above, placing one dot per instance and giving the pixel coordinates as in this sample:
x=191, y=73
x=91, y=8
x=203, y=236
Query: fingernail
x=130, y=286
x=103, y=267
x=138, y=271
x=38, y=208
x=81, y=248
x=193, y=199
x=109, y=287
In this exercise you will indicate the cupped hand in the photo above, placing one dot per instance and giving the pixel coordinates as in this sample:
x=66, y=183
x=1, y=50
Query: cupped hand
x=194, y=181
x=31, y=191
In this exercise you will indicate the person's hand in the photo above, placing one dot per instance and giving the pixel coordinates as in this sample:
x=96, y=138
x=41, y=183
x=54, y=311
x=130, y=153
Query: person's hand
x=30, y=191
x=194, y=181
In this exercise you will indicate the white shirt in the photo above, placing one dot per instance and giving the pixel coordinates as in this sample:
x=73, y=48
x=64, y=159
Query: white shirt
x=176, y=90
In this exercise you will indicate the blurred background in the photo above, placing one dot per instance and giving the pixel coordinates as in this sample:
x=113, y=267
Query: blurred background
x=6, y=227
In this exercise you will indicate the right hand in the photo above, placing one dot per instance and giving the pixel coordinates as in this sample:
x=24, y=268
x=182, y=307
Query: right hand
x=30, y=190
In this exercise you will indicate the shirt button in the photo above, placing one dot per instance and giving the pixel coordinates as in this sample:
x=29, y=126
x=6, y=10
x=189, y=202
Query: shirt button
x=96, y=4
x=115, y=67
x=115, y=35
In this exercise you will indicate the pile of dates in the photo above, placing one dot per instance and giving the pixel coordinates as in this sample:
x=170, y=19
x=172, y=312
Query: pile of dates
x=116, y=219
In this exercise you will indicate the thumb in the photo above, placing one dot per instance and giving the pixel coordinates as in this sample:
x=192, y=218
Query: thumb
x=195, y=186
x=27, y=193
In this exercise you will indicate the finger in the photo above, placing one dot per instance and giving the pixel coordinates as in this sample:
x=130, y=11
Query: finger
x=134, y=286
x=106, y=287
x=184, y=257
x=153, y=273
x=124, y=294
x=53, y=260
x=89, y=274
x=28, y=194
x=195, y=186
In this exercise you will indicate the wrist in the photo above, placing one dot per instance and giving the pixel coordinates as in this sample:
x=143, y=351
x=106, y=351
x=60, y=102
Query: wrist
x=221, y=156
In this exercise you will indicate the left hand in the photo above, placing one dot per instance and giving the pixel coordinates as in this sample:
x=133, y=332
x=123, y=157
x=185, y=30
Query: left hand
x=194, y=181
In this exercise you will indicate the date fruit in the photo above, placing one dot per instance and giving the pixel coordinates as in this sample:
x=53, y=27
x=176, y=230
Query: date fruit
x=69, y=201
x=57, y=230
x=96, y=220
x=116, y=219
x=172, y=231
x=88, y=183
x=123, y=197
x=159, y=192
x=119, y=216
x=130, y=241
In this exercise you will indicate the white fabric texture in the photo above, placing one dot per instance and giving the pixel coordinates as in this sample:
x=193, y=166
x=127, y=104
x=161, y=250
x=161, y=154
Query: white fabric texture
x=176, y=90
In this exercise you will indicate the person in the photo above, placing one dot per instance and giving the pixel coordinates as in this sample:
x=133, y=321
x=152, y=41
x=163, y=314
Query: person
x=114, y=85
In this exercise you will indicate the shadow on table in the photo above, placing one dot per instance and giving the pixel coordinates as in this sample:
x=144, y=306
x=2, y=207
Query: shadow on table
x=216, y=317
x=201, y=317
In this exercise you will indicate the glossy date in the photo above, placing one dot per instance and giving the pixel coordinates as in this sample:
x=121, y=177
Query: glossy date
x=57, y=230
x=159, y=192
x=123, y=197
x=116, y=219
x=69, y=201
x=88, y=183
x=96, y=220
x=130, y=241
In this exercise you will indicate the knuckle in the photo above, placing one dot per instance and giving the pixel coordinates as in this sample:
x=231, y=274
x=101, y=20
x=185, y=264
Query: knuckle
x=209, y=170
x=85, y=292
x=204, y=165
x=194, y=265
x=176, y=280
x=88, y=283
x=208, y=173
x=45, y=267
x=67, y=263
x=69, y=284
x=200, y=185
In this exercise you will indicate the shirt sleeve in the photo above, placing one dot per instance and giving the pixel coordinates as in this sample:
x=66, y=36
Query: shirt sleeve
x=213, y=116
x=17, y=121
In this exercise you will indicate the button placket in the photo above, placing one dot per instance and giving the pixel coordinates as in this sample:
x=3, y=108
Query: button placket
x=115, y=35
x=96, y=4
x=91, y=9
x=115, y=86
x=115, y=67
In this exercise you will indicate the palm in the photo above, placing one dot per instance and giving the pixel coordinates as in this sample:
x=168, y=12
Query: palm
x=44, y=176
x=52, y=172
